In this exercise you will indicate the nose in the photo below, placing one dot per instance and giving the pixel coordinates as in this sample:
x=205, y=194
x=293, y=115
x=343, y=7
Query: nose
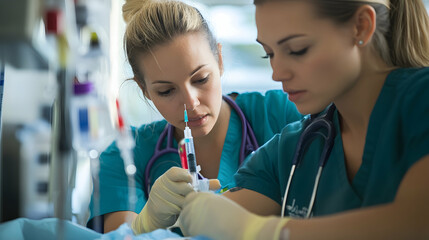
x=191, y=99
x=281, y=70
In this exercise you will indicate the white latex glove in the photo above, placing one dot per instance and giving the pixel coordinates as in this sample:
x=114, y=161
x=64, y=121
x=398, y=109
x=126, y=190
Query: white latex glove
x=165, y=201
x=218, y=217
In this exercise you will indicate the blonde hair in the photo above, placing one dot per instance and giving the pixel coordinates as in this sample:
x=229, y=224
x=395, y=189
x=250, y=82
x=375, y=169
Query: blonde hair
x=401, y=37
x=151, y=23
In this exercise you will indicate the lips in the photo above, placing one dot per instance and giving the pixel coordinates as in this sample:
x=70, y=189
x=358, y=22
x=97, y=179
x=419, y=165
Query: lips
x=294, y=91
x=295, y=95
x=196, y=118
x=197, y=121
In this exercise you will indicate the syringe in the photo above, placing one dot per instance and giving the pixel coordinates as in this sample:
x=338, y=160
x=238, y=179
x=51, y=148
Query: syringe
x=190, y=153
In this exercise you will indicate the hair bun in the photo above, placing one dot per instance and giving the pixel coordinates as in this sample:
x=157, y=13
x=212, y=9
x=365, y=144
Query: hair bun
x=131, y=7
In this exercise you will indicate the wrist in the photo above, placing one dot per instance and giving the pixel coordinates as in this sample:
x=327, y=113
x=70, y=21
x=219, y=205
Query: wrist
x=142, y=223
x=259, y=227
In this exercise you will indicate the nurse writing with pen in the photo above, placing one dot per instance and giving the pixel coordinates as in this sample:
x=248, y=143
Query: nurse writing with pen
x=176, y=61
x=357, y=170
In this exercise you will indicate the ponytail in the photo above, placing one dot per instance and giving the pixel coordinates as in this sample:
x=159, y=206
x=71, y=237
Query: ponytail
x=409, y=40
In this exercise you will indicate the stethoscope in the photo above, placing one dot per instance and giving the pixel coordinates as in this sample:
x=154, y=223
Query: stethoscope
x=315, y=128
x=248, y=143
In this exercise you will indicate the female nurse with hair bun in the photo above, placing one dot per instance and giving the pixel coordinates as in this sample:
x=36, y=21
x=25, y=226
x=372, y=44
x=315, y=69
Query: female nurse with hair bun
x=177, y=61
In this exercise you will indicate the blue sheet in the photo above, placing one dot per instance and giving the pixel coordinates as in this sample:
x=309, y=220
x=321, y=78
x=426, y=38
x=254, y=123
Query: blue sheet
x=23, y=228
x=48, y=229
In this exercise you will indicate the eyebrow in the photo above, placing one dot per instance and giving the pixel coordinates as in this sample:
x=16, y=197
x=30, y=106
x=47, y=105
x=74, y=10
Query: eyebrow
x=160, y=82
x=190, y=74
x=197, y=69
x=285, y=39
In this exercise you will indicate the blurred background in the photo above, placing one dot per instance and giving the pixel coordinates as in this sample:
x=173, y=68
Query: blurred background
x=60, y=56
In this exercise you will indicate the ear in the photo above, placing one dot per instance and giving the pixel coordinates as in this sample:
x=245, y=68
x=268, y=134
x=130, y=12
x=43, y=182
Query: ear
x=220, y=60
x=364, y=24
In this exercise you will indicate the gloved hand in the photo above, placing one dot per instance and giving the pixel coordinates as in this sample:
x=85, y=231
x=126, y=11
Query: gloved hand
x=218, y=217
x=165, y=200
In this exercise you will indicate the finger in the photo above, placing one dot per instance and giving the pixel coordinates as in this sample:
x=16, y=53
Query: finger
x=183, y=222
x=166, y=203
x=173, y=192
x=182, y=188
x=176, y=174
x=214, y=184
x=178, y=196
x=193, y=207
x=185, y=217
x=189, y=198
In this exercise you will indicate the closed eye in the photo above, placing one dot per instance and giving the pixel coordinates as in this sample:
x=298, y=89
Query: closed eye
x=165, y=93
x=300, y=52
x=268, y=55
x=203, y=80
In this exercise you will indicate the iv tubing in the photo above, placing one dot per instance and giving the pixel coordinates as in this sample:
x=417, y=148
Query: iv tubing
x=125, y=143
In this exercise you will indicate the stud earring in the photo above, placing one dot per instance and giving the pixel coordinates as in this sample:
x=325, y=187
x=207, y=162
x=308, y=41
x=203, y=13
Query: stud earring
x=360, y=42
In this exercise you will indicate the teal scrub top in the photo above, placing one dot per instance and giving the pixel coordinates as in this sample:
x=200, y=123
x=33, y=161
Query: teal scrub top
x=397, y=137
x=267, y=114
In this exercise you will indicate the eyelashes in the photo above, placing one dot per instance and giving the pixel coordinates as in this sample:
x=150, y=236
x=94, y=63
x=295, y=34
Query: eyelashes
x=203, y=80
x=170, y=91
x=165, y=93
x=293, y=53
x=300, y=52
x=268, y=55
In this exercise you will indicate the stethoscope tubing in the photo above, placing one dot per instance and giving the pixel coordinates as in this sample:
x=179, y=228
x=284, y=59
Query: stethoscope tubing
x=313, y=129
x=248, y=143
x=168, y=132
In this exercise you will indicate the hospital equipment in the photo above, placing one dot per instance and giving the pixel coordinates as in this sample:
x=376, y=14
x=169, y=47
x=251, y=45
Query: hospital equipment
x=92, y=130
x=44, y=146
x=40, y=38
x=63, y=149
x=2, y=67
x=248, y=143
x=126, y=144
x=35, y=143
x=322, y=126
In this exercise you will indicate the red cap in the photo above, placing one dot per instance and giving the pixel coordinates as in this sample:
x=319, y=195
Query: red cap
x=182, y=153
x=53, y=21
x=120, y=119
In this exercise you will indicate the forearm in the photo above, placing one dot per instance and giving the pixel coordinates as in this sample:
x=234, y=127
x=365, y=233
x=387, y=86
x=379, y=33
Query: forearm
x=113, y=220
x=254, y=202
x=405, y=218
x=382, y=222
x=400, y=220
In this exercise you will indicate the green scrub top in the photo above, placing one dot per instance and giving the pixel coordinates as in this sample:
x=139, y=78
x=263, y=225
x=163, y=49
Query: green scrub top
x=397, y=137
x=267, y=114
